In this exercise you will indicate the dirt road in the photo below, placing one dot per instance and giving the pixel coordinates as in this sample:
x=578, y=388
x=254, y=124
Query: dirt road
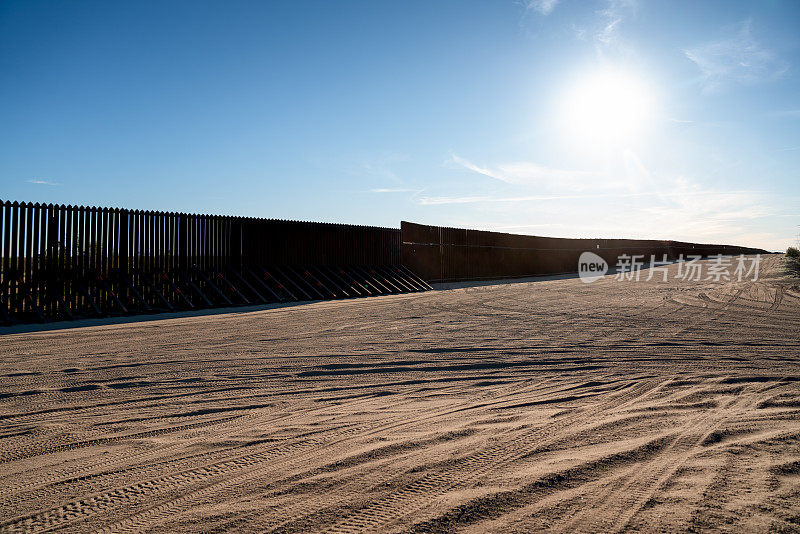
x=500, y=408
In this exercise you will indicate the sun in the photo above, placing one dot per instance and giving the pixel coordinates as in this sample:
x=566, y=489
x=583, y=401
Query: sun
x=606, y=108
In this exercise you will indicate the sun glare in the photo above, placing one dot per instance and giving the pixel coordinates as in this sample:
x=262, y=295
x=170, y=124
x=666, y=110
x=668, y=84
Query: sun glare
x=607, y=108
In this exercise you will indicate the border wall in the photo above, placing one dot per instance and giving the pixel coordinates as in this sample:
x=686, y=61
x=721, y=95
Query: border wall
x=62, y=262
x=442, y=254
x=69, y=262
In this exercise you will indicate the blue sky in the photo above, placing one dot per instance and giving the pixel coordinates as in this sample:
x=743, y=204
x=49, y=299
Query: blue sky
x=675, y=120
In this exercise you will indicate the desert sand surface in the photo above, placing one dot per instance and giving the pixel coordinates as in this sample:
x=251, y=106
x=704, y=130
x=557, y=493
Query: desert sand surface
x=515, y=407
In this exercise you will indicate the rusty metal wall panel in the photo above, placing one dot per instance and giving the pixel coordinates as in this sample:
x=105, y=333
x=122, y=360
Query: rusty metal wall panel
x=449, y=254
x=68, y=260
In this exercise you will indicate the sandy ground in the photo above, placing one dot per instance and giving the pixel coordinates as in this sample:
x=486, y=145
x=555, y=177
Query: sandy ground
x=501, y=408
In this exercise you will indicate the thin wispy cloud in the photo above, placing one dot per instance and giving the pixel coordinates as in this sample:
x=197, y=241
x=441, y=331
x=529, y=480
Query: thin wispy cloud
x=381, y=167
x=608, y=34
x=544, y=7
x=528, y=173
x=719, y=200
x=737, y=59
x=646, y=203
x=693, y=212
x=580, y=33
x=437, y=201
x=611, y=18
x=41, y=182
